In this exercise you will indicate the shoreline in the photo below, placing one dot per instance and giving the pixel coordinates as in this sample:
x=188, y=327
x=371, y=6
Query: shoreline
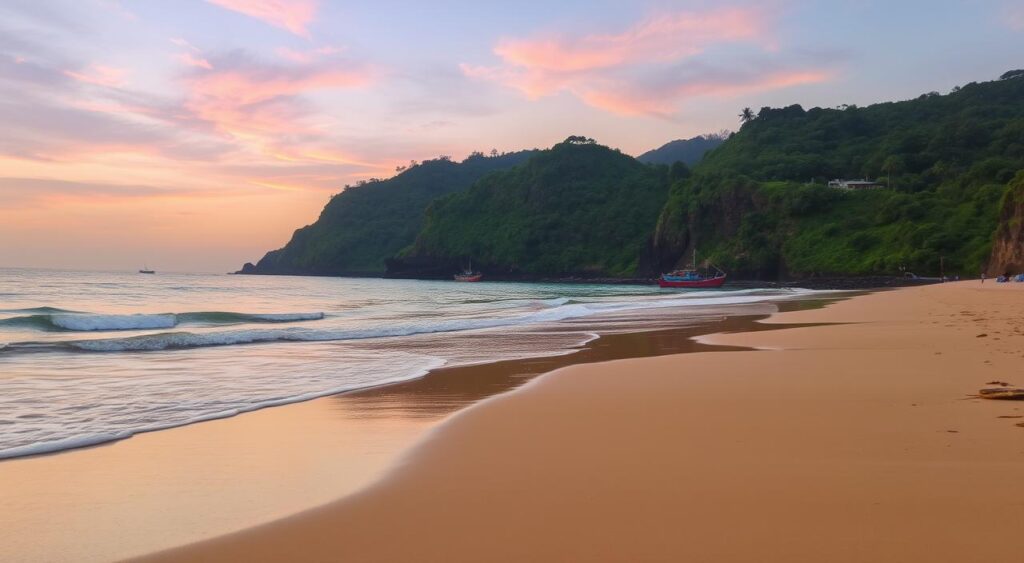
x=62, y=446
x=866, y=283
x=844, y=442
x=298, y=455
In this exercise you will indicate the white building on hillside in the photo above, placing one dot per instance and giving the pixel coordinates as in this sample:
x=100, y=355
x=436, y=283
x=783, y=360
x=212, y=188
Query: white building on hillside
x=855, y=184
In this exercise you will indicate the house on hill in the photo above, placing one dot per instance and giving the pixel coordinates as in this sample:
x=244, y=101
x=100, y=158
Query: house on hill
x=854, y=184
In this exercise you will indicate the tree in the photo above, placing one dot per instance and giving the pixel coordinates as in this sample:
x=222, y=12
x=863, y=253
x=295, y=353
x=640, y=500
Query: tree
x=893, y=164
x=579, y=140
x=747, y=115
x=1012, y=74
x=721, y=135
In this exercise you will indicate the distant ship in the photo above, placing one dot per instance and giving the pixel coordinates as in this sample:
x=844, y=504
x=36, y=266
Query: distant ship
x=146, y=270
x=692, y=278
x=468, y=275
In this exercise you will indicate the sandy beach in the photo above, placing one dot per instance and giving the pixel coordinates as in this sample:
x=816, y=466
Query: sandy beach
x=858, y=441
x=158, y=490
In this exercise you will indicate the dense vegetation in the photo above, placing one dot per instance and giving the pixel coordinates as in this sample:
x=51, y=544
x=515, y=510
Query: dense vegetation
x=365, y=224
x=759, y=205
x=577, y=209
x=687, y=151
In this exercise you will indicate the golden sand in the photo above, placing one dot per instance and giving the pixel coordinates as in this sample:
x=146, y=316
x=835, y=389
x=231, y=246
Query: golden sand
x=852, y=442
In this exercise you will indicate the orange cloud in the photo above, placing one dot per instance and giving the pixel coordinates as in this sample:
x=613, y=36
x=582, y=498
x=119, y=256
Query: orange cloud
x=663, y=38
x=252, y=102
x=99, y=75
x=292, y=15
x=651, y=66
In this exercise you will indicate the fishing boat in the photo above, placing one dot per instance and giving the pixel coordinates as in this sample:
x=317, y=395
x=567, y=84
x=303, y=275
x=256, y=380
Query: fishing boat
x=468, y=275
x=146, y=270
x=692, y=277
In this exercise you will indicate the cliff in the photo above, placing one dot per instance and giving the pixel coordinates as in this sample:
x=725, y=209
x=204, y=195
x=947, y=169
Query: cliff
x=1008, y=247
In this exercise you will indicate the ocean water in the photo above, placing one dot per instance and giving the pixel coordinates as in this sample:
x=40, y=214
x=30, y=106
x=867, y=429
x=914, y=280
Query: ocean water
x=91, y=357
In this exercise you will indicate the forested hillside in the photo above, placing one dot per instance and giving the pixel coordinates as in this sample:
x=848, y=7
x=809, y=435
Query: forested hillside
x=577, y=209
x=759, y=205
x=364, y=225
x=687, y=151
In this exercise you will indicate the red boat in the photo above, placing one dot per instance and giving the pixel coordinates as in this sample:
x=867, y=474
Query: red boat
x=468, y=275
x=690, y=278
x=693, y=278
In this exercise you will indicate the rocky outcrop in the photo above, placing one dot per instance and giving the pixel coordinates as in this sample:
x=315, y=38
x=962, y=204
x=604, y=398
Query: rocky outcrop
x=1008, y=245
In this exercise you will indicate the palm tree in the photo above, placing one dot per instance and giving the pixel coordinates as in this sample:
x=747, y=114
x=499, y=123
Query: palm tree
x=747, y=115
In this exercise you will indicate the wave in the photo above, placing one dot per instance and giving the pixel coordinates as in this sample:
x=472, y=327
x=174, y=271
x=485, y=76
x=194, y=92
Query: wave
x=423, y=366
x=50, y=319
x=183, y=340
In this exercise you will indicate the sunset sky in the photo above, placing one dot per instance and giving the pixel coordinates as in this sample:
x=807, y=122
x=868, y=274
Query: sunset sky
x=195, y=135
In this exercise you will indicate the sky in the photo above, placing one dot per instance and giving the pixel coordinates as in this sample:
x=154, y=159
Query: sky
x=195, y=135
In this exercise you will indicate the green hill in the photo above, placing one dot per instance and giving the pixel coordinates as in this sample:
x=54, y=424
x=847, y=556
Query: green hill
x=577, y=209
x=759, y=205
x=364, y=225
x=687, y=151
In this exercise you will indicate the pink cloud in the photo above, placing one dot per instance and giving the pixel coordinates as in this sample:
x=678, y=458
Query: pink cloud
x=292, y=15
x=189, y=59
x=660, y=102
x=256, y=101
x=651, y=66
x=185, y=44
x=99, y=75
x=663, y=38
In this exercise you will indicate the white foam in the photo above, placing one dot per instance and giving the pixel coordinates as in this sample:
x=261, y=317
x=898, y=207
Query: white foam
x=153, y=421
x=285, y=317
x=174, y=340
x=87, y=322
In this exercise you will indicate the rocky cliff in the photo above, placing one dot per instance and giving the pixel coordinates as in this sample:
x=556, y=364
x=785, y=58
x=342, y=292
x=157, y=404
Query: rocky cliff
x=1008, y=245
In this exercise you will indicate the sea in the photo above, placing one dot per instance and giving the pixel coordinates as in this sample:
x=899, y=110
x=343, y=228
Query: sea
x=93, y=357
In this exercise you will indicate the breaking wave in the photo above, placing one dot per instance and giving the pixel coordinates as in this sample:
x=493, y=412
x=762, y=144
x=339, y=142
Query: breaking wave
x=50, y=319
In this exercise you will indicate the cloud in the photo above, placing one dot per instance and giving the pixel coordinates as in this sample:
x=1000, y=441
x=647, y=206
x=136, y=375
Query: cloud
x=659, y=99
x=250, y=99
x=99, y=75
x=184, y=43
x=306, y=57
x=663, y=38
x=23, y=190
x=652, y=66
x=188, y=59
x=292, y=15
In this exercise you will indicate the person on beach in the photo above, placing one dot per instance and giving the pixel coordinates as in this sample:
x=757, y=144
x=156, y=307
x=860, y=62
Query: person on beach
x=983, y=277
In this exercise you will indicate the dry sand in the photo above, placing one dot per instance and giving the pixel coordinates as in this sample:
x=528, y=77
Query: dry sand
x=852, y=442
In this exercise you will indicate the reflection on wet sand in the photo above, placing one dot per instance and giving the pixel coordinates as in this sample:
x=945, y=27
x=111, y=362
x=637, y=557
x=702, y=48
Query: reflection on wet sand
x=446, y=390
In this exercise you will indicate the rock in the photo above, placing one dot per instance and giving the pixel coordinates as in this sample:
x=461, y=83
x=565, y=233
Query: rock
x=1003, y=393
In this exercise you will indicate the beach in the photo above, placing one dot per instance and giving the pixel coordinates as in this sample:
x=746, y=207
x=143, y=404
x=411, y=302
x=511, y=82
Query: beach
x=175, y=486
x=859, y=440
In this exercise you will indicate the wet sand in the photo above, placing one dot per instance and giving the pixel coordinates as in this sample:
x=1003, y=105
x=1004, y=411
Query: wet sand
x=168, y=488
x=858, y=441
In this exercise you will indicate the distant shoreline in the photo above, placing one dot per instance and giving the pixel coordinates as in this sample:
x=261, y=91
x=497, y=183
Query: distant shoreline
x=829, y=282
